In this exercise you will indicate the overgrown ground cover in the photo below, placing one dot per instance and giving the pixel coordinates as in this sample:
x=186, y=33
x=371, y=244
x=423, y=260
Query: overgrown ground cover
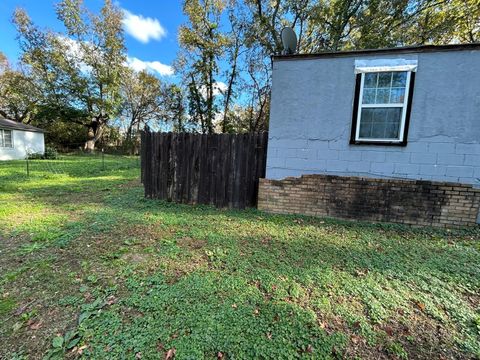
x=88, y=267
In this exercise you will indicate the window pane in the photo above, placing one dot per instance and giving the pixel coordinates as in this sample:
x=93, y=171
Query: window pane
x=384, y=79
x=7, y=138
x=370, y=80
x=380, y=123
x=368, y=96
x=399, y=79
x=397, y=95
x=383, y=96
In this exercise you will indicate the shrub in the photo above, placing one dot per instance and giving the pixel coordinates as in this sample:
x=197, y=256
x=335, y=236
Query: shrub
x=49, y=154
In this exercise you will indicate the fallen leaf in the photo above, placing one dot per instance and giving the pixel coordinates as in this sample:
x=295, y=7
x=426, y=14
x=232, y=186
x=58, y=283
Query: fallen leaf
x=111, y=300
x=388, y=330
x=170, y=354
x=355, y=339
x=361, y=272
x=80, y=349
x=35, y=325
x=269, y=336
x=256, y=311
x=138, y=355
x=309, y=349
x=219, y=355
x=420, y=305
x=234, y=306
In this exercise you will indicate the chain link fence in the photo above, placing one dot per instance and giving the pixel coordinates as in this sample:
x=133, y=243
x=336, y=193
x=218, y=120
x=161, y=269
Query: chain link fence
x=80, y=162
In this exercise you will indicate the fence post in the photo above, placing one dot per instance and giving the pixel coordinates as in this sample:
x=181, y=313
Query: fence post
x=28, y=168
x=103, y=160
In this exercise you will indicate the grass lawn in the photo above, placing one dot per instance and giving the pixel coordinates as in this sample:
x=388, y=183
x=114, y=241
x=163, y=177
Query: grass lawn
x=88, y=267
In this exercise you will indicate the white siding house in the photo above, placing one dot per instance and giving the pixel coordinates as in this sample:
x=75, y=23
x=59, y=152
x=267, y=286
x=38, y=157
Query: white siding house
x=17, y=140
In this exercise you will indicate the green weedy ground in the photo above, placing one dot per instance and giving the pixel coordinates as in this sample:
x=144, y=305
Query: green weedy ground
x=88, y=267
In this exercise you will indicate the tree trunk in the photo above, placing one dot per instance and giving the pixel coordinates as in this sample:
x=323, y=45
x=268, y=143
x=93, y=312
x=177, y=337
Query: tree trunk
x=94, y=133
x=233, y=74
x=136, y=145
x=90, y=144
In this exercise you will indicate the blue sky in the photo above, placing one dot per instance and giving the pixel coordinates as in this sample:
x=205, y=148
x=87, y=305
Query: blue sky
x=151, y=29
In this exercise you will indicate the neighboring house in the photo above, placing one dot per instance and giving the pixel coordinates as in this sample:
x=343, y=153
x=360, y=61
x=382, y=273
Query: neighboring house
x=402, y=113
x=17, y=140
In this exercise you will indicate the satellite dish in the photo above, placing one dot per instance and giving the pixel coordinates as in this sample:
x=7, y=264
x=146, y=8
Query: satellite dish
x=289, y=40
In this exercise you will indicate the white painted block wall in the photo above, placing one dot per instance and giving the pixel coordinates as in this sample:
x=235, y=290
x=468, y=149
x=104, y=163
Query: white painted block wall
x=311, y=118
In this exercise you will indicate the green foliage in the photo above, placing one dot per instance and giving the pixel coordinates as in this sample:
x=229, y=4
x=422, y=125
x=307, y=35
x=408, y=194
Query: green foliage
x=20, y=94
x=94, y=42
x=6, y=305
x=62, y=133
x=204, y=42
x=142, y=100
x=49, y=154
x=397, y=350
x=62, y=344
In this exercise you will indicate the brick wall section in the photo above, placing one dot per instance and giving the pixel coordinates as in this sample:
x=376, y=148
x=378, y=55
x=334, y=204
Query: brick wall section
x=391, y=200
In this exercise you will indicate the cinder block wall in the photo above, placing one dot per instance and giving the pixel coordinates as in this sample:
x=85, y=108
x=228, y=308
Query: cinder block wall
x=311, y=118
x=347, y=197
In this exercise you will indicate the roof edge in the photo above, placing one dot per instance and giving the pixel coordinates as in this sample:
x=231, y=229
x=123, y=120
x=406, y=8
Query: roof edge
x=395, y=50
x=12, y=125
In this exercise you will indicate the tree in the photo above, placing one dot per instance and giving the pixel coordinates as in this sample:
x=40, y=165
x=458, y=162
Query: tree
x=202, y=40
x=233, y=50
x=81, y=71
x=175, y=108
x=142, y=98
x=20, y=94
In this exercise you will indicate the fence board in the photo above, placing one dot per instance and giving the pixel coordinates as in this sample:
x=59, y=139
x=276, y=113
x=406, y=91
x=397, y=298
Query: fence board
x=218, y=169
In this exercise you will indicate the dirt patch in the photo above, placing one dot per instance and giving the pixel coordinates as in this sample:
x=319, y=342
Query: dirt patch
x=130, y=184
x=422, y=338
x=191, y=243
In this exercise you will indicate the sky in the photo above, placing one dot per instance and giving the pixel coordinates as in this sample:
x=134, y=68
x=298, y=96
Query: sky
x=151, y=29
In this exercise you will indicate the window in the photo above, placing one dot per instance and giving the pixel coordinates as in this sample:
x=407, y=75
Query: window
x=381, y=107
x=6, y=138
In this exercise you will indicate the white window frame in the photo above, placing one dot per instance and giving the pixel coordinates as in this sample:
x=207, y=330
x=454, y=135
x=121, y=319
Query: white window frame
x=2, y=132
x=392, y=105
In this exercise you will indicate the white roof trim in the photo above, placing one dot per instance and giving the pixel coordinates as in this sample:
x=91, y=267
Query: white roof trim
x=379, y=65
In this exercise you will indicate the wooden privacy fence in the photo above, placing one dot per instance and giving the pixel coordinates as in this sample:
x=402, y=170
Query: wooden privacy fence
x=217, y=169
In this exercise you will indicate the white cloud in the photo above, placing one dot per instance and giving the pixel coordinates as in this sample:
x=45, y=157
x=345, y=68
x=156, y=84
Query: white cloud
x=75, y=51
x=142, y=28
x=155, y=66
x=219, y=87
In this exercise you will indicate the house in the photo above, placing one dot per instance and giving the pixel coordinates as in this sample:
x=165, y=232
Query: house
x=17, y=140
x=387, y=135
